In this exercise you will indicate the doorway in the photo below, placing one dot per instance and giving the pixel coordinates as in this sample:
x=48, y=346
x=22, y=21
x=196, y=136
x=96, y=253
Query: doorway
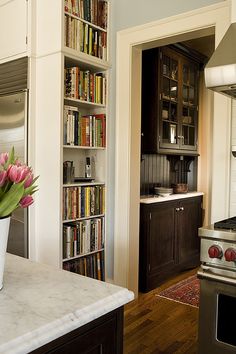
x=130, y=43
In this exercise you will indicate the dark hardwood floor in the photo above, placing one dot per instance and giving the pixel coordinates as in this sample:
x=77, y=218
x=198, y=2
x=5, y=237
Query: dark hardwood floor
x=155, y=325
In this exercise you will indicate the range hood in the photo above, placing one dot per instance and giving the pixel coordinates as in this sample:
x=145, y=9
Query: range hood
x=220, y=71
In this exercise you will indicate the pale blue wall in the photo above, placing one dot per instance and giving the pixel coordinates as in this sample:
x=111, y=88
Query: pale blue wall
x=126, y=14
x=129, y=13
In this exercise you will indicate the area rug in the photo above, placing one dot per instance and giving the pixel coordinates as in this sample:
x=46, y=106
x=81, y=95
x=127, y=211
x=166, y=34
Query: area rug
x=186, y=291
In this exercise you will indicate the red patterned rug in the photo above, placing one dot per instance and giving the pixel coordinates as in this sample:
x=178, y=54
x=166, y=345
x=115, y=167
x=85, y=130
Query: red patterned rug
x=186, y=291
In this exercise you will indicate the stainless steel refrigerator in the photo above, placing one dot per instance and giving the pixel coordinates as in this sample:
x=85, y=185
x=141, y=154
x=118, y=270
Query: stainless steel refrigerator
x=13, y=132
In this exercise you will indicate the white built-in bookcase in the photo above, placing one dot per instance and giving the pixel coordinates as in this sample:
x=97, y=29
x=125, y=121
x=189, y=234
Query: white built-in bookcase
x=48, y=59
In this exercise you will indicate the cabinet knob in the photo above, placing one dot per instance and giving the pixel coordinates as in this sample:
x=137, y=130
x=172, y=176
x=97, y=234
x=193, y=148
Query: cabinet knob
x=181, y=208
x=177, y=209
x=180, y=137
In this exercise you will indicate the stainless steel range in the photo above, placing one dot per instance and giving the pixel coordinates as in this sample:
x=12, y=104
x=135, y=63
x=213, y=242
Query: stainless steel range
x=217, y=312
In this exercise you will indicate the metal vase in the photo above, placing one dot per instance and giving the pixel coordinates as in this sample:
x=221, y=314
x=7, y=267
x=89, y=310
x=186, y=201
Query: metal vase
x=4, y=232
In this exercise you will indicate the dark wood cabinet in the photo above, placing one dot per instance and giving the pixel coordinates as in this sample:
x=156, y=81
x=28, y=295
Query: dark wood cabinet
x=103, y=335
x=169, y=102
x=169, y=239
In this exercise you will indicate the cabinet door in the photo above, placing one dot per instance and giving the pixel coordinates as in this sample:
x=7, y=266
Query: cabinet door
x=13, y=27
x=189, y=105
x=169, y=99
x=162, y=250
x=188, y=221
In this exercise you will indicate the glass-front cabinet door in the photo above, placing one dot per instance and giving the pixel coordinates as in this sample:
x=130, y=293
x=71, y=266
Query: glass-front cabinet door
x=178, y=108
x=189, y=106
x=169, y=99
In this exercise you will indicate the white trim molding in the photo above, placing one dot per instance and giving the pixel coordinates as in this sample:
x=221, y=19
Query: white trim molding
x=130, y=43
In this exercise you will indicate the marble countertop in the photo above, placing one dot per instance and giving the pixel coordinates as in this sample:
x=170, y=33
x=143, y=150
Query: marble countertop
x=39, y=303
x=157, y=199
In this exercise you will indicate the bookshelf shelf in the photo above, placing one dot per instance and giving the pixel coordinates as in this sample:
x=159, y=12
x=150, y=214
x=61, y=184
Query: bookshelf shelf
x=82, y=255
x=83, y=103
x=74, y=56
x=84, y=21
x=85, y=218
x=83, y=147
x=84, y=184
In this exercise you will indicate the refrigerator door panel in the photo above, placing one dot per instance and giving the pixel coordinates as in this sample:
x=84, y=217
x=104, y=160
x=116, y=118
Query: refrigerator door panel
x=13, y=132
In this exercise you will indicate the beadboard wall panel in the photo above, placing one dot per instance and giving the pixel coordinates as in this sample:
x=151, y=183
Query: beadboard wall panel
x=154, y=169
x=157, y=169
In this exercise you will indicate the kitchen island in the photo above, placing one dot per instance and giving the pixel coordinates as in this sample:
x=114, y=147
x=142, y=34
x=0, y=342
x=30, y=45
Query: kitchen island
x=47, y=310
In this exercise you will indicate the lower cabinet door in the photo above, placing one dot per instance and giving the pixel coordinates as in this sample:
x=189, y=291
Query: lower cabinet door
x=161, y=239
x=188, y=221
x=157, y=249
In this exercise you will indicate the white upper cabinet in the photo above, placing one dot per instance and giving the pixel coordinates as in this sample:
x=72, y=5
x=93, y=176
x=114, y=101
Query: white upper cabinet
x=13, y=29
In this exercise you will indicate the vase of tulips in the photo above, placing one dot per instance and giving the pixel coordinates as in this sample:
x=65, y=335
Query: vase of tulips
x=17, y=184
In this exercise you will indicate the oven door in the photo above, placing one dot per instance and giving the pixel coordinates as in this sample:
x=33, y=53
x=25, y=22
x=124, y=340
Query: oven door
x=217, y=314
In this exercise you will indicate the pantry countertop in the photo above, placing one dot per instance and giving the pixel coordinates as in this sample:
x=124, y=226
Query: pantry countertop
x=158, y=199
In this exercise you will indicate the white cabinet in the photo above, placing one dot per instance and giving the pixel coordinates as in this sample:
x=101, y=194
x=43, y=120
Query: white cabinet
x=13, y=29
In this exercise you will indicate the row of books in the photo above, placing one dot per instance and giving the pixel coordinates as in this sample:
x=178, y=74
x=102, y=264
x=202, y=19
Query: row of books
x=91, y=266
x=83, y=237
x=82, y=37
x=94, y=11
x=84, y=130
x=85, y=85
x=83, y=201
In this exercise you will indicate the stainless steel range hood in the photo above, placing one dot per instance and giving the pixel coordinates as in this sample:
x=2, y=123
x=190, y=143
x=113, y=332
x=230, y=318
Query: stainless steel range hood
x=220, y=71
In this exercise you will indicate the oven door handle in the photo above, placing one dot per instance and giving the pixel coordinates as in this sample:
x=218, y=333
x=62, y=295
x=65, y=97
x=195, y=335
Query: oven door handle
x=207, y=275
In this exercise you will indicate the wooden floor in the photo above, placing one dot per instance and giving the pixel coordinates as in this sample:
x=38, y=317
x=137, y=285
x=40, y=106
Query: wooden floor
x=154, y=325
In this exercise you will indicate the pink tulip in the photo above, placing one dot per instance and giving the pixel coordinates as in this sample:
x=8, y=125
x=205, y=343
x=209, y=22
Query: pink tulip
x=3, y=158
x=18, y=163
x=3, y=177
x=26, y=201
x=29, y=180
x=17, y=173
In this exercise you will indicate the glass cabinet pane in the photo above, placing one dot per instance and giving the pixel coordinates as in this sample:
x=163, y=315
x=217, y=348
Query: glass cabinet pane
x=185, y=94
x=173, y=90
x=192, y=74
x=173, y=112
x=192, y=114
x=185, y=74
x=166, y=66
x=191, y=95
x=169, y=131
x=166, y=88
x=165, y=109
x=185, y=115
x=189, y=135
x=174, y=69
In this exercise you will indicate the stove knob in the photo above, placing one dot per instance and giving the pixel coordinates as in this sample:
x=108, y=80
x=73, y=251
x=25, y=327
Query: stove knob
x=230, y=255
x=215, y=252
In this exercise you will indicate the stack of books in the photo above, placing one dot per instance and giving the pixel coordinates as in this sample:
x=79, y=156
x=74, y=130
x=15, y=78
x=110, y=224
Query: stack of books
x=91, y=266
x=93, y=11
x=83, y=237
x=89, y=130
x=85, y=85
x=83, y=201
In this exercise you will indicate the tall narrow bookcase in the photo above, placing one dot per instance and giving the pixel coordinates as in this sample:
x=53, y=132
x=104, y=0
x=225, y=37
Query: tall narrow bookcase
x=84, y=136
